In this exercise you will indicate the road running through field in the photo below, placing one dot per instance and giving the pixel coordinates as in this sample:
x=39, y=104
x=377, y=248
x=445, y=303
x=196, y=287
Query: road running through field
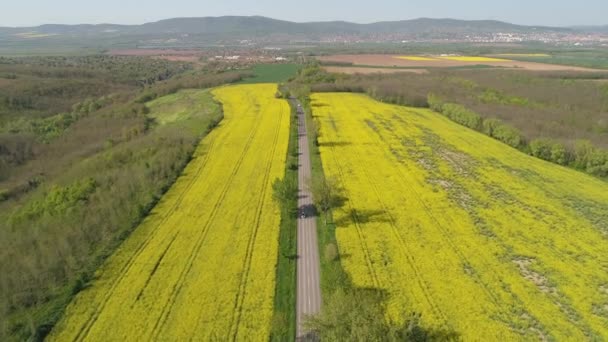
x=309, y=289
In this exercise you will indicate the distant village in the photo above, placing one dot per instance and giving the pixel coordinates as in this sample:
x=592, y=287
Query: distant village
x=553, y=38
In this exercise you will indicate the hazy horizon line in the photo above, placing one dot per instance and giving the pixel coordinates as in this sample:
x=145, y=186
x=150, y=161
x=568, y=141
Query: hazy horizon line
x=292, y=21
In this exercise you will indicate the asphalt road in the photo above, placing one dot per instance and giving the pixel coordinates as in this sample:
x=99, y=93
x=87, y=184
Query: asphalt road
x=309, y=288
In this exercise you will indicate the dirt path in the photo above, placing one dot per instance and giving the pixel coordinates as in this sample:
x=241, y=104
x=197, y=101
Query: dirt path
x=309, y=289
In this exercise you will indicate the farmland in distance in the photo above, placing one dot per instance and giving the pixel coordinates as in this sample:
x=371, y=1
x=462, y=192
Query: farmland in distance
x=397, y=61
x=202, y=265
x=272, y=73
x=478, y=237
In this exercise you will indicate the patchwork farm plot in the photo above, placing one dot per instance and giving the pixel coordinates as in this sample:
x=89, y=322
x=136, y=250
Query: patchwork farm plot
x=375, y=70
x=404, y=61
x=202, y=265
x=477, y=237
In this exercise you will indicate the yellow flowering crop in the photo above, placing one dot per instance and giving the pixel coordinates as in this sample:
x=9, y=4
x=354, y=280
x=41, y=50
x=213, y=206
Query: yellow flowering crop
x=416, y=58
x=202, y=265
x=523, y=55
x=476, y=236
x=474, y=59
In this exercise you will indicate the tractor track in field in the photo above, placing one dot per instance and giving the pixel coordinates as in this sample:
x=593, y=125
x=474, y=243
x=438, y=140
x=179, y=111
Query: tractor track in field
x=445, y=234
x=484, y=286
x=198, y=244
x=364, y=247
x=240, y=298
x=404, y=249
x=417, y=273
x=86, y=328
x=156, y=265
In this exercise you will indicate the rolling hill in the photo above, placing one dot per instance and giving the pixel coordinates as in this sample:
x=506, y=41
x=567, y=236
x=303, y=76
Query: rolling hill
x=262, y=31
x=244, y=26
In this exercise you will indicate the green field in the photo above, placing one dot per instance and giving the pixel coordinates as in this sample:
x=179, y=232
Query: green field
x=272, y=73
x=595, y=59
x=184, y=106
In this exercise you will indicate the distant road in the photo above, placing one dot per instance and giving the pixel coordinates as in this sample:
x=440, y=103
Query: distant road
x=309, y=289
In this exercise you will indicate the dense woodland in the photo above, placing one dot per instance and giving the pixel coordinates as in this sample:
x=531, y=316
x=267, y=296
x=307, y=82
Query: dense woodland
x=41, y=97
x=560, y=117
x=81, y=163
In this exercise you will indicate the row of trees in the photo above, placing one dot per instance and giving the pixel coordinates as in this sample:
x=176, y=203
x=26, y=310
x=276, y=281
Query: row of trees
x=582, y=155
x=499, y=130
x=354, y=314
x=466, y=117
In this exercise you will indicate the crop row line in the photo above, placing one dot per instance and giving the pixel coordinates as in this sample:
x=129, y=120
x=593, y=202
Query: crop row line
x=240, y=298
x=198, y=244
x=364, y=247
x=404, y=249
x=86, y=328
x=446, y=236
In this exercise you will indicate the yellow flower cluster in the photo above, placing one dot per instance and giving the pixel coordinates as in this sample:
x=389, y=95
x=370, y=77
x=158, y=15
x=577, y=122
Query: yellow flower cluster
x=416, y=58
x=202, y=265
x=476, y=236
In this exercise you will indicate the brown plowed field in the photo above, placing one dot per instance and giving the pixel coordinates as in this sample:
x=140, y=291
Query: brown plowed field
x=153, y=52
x=358, y=70
x=190, y=56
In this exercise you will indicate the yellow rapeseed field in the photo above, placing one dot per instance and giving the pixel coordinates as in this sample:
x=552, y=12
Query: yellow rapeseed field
x=202, y=265
x=478, y=237
x=523, y=55
x=474, y=59
x=416, y=58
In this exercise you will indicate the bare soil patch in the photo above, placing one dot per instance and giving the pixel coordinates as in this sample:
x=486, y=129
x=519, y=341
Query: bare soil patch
x=5, y=82
x=391, y=60
x=173, y=58
x=538, y=279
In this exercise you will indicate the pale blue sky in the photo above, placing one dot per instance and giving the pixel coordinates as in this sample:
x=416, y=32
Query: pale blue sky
x=531, y=12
